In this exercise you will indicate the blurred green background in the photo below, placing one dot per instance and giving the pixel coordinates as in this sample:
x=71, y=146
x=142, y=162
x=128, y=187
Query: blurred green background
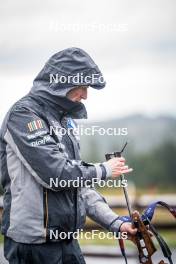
x=151, y=149
x=151, y=152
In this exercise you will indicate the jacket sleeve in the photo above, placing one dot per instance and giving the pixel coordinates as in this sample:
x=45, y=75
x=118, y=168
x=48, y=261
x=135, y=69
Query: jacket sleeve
x=99, y=211
x=30, y=139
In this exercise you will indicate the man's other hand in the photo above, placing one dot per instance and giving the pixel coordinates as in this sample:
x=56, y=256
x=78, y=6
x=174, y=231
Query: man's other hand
x=118, y=166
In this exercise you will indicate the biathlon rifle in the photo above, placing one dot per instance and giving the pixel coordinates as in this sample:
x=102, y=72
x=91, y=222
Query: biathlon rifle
x=143, y=240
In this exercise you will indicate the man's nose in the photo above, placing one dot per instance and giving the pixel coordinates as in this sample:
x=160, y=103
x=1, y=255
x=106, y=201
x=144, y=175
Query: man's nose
x=84, y=94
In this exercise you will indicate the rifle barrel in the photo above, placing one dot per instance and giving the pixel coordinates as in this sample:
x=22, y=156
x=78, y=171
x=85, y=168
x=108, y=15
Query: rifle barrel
x=125, y=190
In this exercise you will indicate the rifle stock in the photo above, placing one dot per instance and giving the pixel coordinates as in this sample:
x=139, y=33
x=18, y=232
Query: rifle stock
x=143, y=241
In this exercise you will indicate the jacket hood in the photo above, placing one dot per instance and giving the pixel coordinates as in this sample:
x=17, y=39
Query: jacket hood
x=64, y=71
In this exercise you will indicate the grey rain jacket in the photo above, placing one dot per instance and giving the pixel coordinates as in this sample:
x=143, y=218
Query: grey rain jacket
x=31, y=156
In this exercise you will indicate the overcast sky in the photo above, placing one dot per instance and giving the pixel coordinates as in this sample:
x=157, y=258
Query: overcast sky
x=133, y=42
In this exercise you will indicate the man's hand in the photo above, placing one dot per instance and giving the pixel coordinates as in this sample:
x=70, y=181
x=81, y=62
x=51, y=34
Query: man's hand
x=127, y=227
x=118, y=166
x=131, y=231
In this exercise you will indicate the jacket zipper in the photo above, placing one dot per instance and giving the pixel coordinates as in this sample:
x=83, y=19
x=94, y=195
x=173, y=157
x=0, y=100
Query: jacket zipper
x=46, y=211
x=76, y=191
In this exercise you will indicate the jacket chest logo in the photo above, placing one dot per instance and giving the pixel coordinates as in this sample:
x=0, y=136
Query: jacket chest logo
x=71, y=124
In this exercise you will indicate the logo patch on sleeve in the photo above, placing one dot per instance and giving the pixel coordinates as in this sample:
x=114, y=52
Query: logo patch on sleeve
x=35, y=125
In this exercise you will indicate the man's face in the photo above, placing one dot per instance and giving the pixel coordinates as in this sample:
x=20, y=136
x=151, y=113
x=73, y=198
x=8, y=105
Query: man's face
x=78, y=93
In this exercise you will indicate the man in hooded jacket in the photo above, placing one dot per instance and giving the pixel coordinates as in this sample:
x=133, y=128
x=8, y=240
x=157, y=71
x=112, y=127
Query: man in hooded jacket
x=32, y=158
